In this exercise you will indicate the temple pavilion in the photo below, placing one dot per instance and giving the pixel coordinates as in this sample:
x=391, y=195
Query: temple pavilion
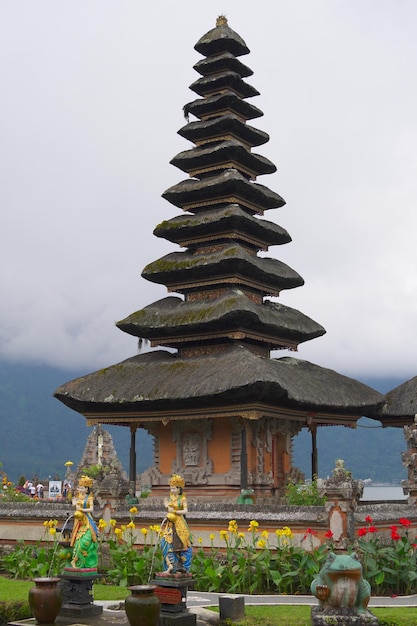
x=221, y=410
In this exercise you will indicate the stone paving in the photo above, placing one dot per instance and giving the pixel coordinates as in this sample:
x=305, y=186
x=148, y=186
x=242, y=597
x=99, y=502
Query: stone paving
x=197, y=602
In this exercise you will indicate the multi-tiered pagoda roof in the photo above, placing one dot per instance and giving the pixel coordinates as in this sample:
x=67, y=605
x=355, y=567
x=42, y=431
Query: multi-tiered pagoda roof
x=222, y=322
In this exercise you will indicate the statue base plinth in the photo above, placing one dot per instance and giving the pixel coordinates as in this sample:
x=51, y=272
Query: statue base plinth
x=77, y=593
x=178, y=619
x=172, y=589
x=341, y=617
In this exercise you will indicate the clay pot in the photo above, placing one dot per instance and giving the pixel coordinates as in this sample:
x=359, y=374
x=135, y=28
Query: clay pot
x=45, y=599
x=143, y=606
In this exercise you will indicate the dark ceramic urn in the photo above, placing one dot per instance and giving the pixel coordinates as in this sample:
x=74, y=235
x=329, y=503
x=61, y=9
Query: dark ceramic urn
x=45, y=599
x=142, y=606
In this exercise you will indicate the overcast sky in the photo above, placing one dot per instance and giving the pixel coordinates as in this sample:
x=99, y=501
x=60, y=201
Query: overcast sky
x=92, y=97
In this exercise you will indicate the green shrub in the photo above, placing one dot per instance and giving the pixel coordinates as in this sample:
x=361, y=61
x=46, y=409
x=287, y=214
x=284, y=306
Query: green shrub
x=304, y=494
x=13, y=610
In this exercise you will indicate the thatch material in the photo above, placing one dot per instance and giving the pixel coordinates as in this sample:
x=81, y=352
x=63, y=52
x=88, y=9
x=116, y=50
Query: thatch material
x=224, y=80
x=220, y=62
x=221, y=39
x=231, y=312
x=232, y=260
x=221, y=153
x=400, y=405
x=227, y=102
x=213, y=223
x=225, y=125
x=230, y=183
x=160, y=380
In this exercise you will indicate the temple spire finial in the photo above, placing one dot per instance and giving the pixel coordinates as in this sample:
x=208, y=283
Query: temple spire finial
x=221, y=21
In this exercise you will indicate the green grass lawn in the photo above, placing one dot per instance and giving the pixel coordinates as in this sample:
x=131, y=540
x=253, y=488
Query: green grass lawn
x=11, y=589
x=267, y=615
x=300, y=616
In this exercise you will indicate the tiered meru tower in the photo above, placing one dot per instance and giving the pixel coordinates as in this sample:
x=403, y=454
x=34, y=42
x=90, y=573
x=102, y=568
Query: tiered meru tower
x=222, y=412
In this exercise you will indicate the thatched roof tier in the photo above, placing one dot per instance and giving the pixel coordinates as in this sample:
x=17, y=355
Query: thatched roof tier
x=226, y=188
x=211, y=158
x=217, y=83
x=229, y=222
x=229, y=263
x=224, y=127
x=161, y=381
x=220, y=62
x=400, y=405
x=227, y=102
x=171, y=320
x=221, y=39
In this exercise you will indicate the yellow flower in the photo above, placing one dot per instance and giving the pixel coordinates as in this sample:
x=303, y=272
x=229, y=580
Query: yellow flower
x=144, y=531
x=133, y=510
x=211, y=537
x=253, y=526
x=123, y=527
x=131, y=525
x=224, y=535
x=102, y=524
x=261, y=543
x=287, y=531
x=265, y=534
x=233, y=526
x=241, y=535
x=155, y=528
x=112, y=523
x=52, y=530
x=200, y=540
x=118, y=532
x=46, y=523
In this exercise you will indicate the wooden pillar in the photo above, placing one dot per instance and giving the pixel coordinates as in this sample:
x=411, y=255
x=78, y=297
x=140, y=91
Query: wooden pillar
x=243, y=460
x=314, y=456
x=132, y=458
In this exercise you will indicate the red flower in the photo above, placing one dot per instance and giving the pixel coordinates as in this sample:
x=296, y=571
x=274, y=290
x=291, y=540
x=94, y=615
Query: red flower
x=372, y=529
x=328, y=534
x=309, y=531
x=405, y=522
x=368, y=519
x=414, y=545
x=362, y=532
x=395, y=536
x=394, y=528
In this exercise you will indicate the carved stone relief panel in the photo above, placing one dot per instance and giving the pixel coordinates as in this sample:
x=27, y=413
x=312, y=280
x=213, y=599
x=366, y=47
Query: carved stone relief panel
x=192, y=459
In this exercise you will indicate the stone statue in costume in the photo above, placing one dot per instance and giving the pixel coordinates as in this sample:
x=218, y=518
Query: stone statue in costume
x=176, y=540
x=84, y=535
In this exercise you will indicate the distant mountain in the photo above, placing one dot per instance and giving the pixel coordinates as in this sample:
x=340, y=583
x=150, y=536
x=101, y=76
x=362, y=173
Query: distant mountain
x=39, y=434
x=369, y=451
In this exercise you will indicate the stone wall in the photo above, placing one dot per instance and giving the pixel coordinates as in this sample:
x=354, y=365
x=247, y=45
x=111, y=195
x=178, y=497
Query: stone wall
x=25, y=520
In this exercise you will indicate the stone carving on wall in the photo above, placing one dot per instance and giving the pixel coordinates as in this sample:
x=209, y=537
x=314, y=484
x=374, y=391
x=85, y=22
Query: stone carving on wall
x=192, y=460
x=409, y=460
x=191, y=448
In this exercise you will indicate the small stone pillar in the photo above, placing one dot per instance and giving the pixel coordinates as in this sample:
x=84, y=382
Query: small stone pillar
x=231, y=608
x=409, y=460
x=343, y=494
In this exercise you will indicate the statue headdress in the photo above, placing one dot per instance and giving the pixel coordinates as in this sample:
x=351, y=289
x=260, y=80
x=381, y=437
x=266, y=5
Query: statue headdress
x=85, y=481
x=176, y=481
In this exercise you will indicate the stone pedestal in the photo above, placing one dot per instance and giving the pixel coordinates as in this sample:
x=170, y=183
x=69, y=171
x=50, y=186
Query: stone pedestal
x=172, y=592
x=341, y=617
x=77, y=593
x=343, y=494
x=232, y=608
